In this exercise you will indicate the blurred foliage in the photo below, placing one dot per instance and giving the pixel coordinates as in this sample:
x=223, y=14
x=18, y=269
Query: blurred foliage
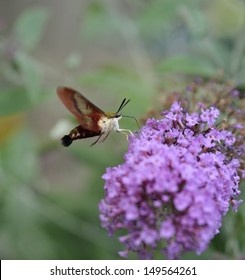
x=29, y=27
x=149, y=45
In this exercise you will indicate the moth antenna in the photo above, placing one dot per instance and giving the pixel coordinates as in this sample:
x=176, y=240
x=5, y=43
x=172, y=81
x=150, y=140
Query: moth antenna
x=123, y=104
x=132, y=118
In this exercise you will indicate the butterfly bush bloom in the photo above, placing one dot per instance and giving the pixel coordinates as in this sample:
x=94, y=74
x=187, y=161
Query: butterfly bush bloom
x=174, y=187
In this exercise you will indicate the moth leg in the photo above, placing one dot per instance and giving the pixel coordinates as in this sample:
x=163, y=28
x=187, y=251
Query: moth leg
x=124, y=131
x=96, y=140
x=105, y=137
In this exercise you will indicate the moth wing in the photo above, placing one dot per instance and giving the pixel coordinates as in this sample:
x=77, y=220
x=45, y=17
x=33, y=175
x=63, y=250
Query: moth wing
x=85, y=111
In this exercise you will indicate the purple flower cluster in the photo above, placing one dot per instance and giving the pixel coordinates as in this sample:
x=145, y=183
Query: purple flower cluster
x=175, y=185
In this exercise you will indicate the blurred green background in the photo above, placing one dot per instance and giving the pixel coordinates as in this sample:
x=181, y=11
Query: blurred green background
x=108, y=50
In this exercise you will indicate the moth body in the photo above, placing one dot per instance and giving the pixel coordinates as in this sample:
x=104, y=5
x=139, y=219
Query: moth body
x=108, y=124
x=77, y=133
x=93, y=121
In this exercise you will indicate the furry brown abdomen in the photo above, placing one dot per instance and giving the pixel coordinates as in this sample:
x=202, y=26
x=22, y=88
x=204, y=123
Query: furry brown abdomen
x=78, y=133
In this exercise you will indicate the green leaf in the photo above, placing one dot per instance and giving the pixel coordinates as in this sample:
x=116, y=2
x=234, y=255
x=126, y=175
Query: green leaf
x=158, y=18
x=123, y=82
x=241, y=73
x=13, y=101
x=31, y=75
x=212, y=51
x=30, y=25
x=97, y=22
x=187, y=64
x=18, y=160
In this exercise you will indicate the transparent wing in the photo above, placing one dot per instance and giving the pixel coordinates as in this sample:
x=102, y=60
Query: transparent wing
x=85, y=111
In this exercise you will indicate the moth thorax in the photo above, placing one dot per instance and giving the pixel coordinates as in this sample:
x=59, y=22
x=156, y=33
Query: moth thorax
x=107, y=123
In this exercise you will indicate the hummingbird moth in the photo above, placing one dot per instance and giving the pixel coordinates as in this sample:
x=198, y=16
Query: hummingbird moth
x=92, y=120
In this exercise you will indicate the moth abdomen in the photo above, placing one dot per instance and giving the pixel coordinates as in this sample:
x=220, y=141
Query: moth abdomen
x=78, y=133
x=66, y=140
